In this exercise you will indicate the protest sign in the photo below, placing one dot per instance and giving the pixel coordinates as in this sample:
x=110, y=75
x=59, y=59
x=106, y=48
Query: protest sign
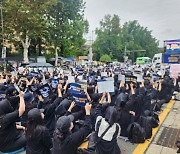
x=61, y=71
x=45, y=90
x=105, y=86
x=121, y=78
x=80, y=77
x=103, y=73
x=147, y=77
x=174, y=70
x=155, y=78
x=80, y=99
x=139, y=77
x=54, y=83
x=130, y=78
x=71, y=79
x=14, y=73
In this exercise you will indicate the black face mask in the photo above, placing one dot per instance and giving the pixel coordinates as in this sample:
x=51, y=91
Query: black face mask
x=14, y=101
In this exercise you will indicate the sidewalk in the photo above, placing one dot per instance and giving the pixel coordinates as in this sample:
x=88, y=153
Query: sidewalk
x=169, y=132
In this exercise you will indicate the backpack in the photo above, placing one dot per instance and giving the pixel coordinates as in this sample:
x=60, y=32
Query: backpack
x=146, y=123
x=155, y=120
x=136, y=133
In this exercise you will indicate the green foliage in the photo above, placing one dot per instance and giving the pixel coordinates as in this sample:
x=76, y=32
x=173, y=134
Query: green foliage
x=112, y=39
x=66, y=27
x=105, y=58
x=25, y=18
x=57, y=24
x=108, y=38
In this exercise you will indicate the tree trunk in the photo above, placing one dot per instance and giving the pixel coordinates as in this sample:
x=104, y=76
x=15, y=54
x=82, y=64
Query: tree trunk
x=26, y=60
x=26, y=45
x=56, y=58
x=40, y=47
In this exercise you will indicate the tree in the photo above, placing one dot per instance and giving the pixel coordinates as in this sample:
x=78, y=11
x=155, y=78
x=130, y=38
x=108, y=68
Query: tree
x=137, y=37
x=112, y=38
x=105, y=58
x=25, y=20
x=66, y=27
x=108, y=38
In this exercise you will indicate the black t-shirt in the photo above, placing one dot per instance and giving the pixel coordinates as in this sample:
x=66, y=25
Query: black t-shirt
x=72, y=141
x=41, y=143
x=8, y=132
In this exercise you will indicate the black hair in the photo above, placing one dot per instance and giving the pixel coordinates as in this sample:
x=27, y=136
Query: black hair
x=60, y=136
x=32, y=127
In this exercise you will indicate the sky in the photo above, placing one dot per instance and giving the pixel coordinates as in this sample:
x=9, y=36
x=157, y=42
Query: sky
x=162, y=17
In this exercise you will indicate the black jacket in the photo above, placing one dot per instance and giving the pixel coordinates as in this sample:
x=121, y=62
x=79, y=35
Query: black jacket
x=41, y=143
x=72, y=141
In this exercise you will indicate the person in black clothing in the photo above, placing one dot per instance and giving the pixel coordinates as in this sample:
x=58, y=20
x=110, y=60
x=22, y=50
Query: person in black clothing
x=64, y=140
x=49, y=110
x=108, y=142
x=11, y=135
x=125, y=114
x=37, y=135
x=29, y=101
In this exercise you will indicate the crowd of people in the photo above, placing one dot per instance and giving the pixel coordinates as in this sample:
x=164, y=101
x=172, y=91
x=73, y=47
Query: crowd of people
x=39, y=113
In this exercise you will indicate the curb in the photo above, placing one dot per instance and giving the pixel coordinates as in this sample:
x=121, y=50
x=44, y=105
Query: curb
x=141, y=148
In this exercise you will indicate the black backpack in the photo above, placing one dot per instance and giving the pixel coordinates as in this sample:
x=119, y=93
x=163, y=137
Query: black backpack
x=146, y=123
x=155, y=120
x=136, y=133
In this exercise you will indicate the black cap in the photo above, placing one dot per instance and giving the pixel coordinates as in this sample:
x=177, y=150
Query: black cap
x=64, y=122
x=35, y=113
x=11, y=91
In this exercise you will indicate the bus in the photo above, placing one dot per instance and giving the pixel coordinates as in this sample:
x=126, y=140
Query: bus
x=143, y=60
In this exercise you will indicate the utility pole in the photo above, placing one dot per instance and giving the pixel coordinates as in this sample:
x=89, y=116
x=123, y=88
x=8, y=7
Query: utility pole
x=2, y=28
x=125, y=57
x=2, y=24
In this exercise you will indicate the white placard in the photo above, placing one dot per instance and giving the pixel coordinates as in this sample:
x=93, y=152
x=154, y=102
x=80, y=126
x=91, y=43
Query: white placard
x=35, y=69
x=80, y=77
x=103, y=73
x=174, y=70
x=121, y=78
x=105, y=86
x=139, y=77
x=110, y=79
x=160, y=73
x=21, y=69
x=14, y=73
x=71, y=79
x=61, y=71
x=95, y=69
x=44, y=82
x=3, y=80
